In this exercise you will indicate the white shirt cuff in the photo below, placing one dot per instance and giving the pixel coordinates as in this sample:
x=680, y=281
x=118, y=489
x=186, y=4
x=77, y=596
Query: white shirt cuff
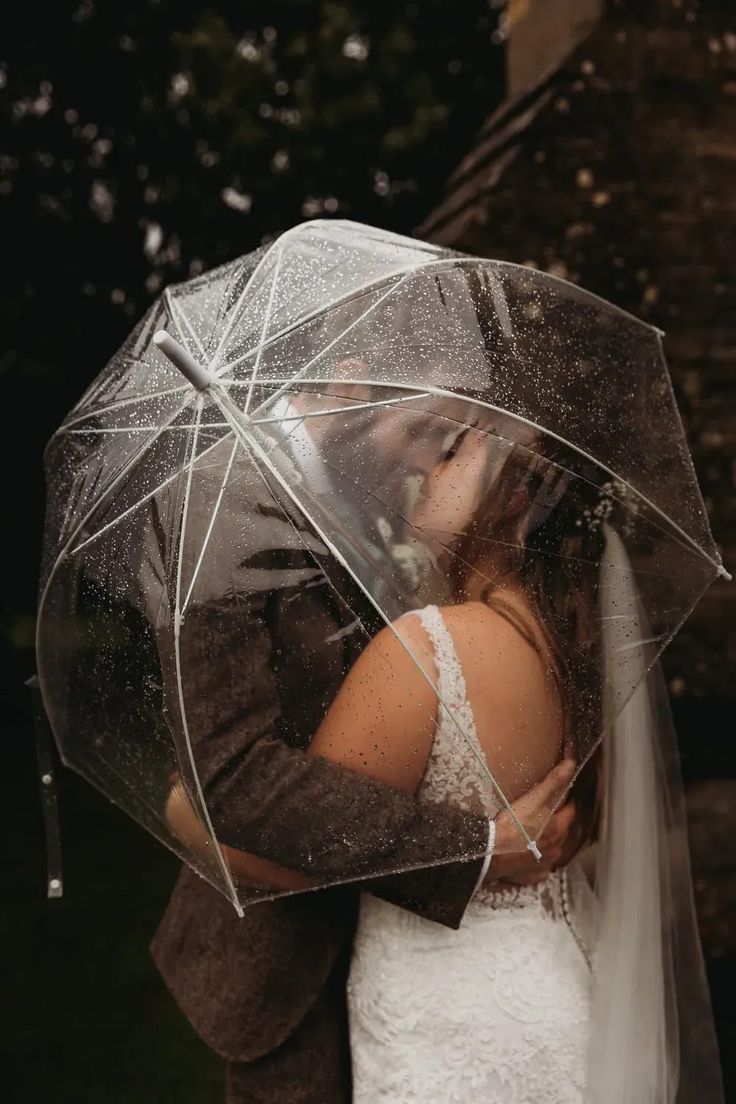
x=489, y=855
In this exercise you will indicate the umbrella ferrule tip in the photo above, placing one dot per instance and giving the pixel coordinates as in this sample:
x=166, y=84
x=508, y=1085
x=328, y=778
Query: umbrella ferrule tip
x=532, y=846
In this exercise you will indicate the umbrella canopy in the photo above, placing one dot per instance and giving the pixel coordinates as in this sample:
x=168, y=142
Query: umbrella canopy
x=292, y=421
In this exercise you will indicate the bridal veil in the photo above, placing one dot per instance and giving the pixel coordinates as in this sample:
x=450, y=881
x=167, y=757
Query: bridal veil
x=652, y=1033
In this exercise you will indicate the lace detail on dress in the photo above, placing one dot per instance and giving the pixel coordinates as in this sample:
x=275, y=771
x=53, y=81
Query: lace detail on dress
x=549, y=895
x=454, y=770
x=496, y=1012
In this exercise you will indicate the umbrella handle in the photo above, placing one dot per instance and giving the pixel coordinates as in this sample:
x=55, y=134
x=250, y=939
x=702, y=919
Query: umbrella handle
x=44, y=742
x=195, y=372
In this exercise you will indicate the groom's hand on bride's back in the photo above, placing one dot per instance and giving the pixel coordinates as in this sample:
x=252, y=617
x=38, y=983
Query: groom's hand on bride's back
x=559, y=842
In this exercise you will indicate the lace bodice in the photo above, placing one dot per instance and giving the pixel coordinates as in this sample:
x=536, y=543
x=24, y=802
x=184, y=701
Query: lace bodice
x=495, y=1012
x=455, y=769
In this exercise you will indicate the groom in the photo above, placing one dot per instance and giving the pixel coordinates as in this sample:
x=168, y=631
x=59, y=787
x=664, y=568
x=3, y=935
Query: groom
x=267, y=992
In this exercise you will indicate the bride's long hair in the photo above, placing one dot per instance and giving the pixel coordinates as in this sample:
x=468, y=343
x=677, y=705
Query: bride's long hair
x=651, y=1030
x=554, y=555
x=652, y=1036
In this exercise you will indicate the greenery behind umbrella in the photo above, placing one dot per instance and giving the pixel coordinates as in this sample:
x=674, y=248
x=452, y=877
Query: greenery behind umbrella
x=147, y=142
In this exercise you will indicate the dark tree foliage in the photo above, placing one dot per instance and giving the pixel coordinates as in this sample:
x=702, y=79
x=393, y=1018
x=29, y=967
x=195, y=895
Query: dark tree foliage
x=144, y=142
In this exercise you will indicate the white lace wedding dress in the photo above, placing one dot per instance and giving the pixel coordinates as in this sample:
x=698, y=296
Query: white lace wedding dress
x=494, y=1013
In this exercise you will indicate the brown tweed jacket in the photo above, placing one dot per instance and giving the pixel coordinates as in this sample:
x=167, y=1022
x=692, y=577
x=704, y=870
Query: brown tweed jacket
x=264, y=646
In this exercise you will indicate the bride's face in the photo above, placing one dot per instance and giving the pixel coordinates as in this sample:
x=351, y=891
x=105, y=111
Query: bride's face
x=451, y=492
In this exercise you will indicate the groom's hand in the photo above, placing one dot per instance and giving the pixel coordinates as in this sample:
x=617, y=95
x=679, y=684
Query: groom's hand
x=558, y=843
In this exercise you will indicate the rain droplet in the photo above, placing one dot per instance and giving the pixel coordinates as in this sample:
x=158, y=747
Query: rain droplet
x=356, y=47
x=238, y=201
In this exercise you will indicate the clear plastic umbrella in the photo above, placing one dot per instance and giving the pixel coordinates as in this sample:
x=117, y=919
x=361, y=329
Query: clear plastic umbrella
x=289, y=424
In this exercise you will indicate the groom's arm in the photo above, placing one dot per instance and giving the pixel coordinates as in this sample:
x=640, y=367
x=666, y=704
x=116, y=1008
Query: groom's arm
x=264, y=796
x=304, y=812
x=349, y=739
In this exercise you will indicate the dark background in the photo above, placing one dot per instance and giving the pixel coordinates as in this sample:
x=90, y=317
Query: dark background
x=148, y=141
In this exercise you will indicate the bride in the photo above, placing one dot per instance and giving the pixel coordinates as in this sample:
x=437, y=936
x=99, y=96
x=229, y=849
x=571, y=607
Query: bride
x=551, y=992
x=557, y=991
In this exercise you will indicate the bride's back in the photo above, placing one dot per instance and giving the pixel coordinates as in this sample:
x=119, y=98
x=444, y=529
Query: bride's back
x=499, y=1008
x=511, y=690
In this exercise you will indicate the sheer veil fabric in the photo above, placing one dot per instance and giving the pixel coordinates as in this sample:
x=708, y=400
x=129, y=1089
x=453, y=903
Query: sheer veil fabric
x=652, y=1033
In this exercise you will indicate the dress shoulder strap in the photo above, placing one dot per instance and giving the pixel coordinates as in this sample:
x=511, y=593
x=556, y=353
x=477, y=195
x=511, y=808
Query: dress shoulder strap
x=450, y=681
x=455, y=767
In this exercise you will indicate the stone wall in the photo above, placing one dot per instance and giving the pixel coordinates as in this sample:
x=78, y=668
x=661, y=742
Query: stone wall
x=619, y=173
x=540, y=34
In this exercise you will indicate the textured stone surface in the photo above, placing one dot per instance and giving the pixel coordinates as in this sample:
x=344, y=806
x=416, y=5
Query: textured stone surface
x=619, y=172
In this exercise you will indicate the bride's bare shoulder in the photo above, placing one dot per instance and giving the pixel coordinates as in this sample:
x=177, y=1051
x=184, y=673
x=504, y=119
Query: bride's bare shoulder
x=510, y=685
x=481, y=621
x=486, y=639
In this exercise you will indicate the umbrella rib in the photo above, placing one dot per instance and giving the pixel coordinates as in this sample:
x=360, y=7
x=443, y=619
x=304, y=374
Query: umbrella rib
x=64, y=550
x=132, y=460
x=638, y=643
x=361, y=318
x=400, y=271
x=558, y=555
x=146, y=429
x=161, y=486
x=688, y=543
x=164, y=834
x=224, y=401
x=278, y=244
x=118, y=404
x=178, y=316
x=98, y=383
x=241, y=299
x=299, y=417
x=210, y=527
x=264, y=328
x=396, y=278
x=416, y=390
x=488, y=540
x=441, y=392
x=177, y=657
x=409, y=269
x=628, y=616
x=227, y=476
x=141, y=501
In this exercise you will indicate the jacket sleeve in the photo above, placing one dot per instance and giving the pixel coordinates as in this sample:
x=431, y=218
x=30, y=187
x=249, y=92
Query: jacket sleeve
x=304, y=812
x=264, y=795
